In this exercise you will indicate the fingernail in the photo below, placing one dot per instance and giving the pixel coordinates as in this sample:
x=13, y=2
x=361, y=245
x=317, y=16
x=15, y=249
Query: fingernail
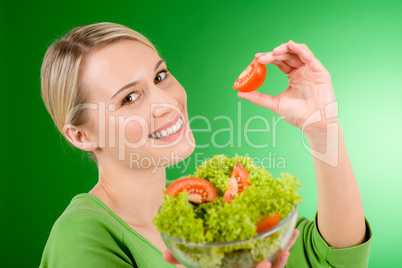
x=277, y=48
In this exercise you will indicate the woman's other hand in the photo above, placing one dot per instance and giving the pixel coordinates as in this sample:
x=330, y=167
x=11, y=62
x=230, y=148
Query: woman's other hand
x=310, y=87
x=283, y=256
x=280, y=261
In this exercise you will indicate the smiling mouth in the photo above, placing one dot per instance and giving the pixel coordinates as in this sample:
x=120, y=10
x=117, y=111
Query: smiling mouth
x=168, y=131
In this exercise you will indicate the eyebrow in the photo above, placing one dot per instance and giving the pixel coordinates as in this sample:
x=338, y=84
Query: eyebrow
x=136, y=82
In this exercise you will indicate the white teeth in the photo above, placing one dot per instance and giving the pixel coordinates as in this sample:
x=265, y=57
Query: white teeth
x=168, y=131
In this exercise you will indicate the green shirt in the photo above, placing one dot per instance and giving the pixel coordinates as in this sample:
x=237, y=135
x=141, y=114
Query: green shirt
x=311, y=250
x=88, y=234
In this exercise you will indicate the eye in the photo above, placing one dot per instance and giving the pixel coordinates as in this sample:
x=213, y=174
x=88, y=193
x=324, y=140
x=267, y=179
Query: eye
x=161, y=76
x=132, y=97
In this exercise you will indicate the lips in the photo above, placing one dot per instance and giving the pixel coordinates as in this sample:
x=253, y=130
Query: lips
x=168, y=129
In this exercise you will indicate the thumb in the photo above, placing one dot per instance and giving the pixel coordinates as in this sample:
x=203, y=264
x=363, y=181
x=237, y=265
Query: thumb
x=260, y=99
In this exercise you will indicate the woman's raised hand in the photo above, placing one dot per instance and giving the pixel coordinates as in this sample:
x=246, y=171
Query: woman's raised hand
x=310, y=87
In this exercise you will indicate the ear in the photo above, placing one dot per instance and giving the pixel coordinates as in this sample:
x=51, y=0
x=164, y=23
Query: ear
x=79, y=138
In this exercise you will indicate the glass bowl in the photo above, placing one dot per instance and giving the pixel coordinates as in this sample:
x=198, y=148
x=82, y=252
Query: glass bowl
x=241, y=253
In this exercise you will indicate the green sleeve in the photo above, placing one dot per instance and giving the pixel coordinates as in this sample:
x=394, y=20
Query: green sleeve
x=311, y=250
x=84, y=241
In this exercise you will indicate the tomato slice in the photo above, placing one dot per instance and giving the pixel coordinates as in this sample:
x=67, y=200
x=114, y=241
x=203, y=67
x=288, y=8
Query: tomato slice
x=231, y=191
x=267, y=222
x=238, y=182
x=252, y=77
x=199, y=190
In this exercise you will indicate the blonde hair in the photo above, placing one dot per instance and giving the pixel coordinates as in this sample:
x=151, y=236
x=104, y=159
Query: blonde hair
x=61, y=72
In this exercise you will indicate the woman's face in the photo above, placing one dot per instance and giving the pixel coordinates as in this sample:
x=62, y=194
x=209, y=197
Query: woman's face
x=137, y=109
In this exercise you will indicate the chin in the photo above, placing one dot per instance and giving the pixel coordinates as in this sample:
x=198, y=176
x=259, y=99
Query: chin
x=183, y=154
x=179, y=152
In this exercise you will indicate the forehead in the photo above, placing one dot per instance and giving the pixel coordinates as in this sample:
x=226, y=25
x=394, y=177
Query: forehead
x=115, y=65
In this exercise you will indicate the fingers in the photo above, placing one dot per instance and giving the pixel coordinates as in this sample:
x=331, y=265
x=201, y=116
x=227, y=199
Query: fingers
x=259, y=55
x=281, y=49
x=265, y=58
x=306, y=56
x=290, y=59
x=293, y=239
x=285, y=62
x=283, y=257
x=283, y=66
x=293, y=54
x=168, y=257
x=258, y=98
x=264, y=264
x=281, y=260
x=302, y=51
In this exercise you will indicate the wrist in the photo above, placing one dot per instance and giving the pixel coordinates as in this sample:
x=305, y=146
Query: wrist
x=319, y=130
x=320, y=136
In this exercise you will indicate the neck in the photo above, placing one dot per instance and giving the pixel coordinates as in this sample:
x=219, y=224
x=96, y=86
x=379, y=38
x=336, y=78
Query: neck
x=135, y=195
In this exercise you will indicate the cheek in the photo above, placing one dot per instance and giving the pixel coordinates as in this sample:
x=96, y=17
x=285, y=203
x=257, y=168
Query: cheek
x=133, y=129
x=184, y=97
x=180, y=95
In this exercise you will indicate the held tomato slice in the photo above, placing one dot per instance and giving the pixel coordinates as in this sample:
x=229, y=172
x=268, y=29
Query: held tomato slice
x=199, y=190
x=238, y=182
x=252, y=77
x=267, y=222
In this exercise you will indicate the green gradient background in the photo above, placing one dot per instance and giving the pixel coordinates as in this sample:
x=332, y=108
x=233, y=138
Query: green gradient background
x=206, y=46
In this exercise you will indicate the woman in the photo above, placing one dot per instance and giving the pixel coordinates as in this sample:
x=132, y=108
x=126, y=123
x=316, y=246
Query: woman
x=110, y=94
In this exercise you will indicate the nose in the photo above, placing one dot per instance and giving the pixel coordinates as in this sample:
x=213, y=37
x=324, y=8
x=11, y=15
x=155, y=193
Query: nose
x=163, y=103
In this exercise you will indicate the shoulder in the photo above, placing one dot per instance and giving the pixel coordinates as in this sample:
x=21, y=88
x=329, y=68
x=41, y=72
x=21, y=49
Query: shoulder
x=83, y=216
x=84, y=232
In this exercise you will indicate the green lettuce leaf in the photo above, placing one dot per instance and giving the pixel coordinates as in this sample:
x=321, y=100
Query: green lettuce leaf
x=222, y=222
